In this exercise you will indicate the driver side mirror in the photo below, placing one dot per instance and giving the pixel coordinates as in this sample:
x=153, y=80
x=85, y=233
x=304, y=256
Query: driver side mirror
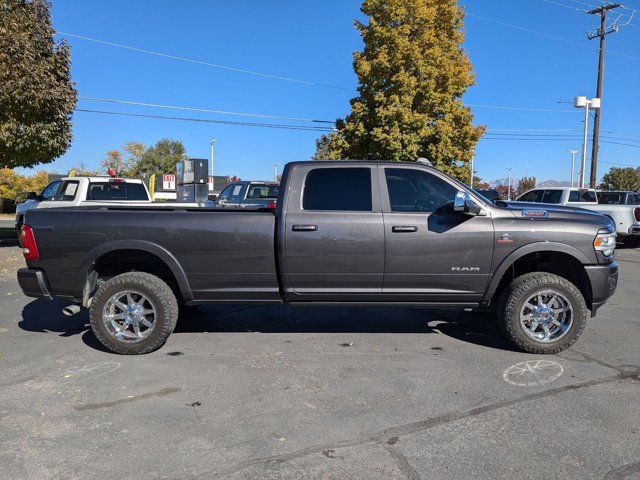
x=463, y=203
x=32, y=196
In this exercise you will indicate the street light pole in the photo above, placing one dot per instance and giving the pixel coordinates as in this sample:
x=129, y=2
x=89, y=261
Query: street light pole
x=275, y=172
x=509, y=186
x=583, y=164
x=213, y=142
x=471, y=180
x=582, y=102
x=573, y=163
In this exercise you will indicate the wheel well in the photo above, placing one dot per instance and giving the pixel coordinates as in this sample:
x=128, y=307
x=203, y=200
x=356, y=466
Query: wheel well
x=558, y=263
x=116, y=262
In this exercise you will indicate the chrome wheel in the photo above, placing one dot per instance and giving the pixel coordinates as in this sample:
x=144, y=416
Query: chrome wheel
x=546, y=316
x=129, y=316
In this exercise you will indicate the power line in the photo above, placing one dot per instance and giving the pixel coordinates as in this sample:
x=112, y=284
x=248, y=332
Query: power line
x=547, y=35
x=207, y=110
x=591, y=6
x=206, y=120
x=207, y=64
x=526, y=109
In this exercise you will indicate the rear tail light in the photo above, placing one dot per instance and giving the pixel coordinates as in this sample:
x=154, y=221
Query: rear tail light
x=28, y=243
x=272, y=205
x=636, y=213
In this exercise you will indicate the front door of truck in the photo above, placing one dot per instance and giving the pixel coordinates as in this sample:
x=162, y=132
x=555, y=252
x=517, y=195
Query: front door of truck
x=432, y=252
x=333, y=234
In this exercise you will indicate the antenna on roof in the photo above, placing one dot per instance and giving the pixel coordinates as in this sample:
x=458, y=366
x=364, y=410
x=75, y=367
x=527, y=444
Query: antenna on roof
x=424, y=161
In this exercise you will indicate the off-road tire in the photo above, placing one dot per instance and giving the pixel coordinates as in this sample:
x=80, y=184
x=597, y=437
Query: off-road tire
x=519, y=291
x=161, y=295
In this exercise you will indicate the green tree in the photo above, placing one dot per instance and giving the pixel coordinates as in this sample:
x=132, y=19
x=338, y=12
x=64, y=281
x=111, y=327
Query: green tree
x=323, y=149
x=37, y=96
x=412, y=74
x=160, y=158
x=526, y=184
x=627, y=178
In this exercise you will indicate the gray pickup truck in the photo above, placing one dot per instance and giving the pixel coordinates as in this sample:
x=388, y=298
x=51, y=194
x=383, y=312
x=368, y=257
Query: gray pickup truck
x=352, y=233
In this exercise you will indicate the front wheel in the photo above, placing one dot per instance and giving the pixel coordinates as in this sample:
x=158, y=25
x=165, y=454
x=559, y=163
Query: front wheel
x=542, y=313
x=133, y=313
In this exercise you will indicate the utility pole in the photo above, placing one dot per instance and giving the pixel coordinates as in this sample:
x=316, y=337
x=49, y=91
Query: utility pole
x=573, y=163
x=600, y=33
x=509, y=187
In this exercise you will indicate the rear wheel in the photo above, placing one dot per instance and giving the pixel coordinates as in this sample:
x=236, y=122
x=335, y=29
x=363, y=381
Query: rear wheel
x=133, y=313
x=542, y=313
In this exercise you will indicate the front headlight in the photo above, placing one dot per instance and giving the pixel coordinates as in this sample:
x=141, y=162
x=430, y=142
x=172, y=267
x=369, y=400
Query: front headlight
x=605, y=242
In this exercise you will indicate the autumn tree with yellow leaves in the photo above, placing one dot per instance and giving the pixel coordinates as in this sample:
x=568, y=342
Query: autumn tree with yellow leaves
x=412, y=74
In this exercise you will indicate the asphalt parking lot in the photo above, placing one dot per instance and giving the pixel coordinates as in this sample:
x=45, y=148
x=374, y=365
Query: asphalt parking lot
x=279, y=393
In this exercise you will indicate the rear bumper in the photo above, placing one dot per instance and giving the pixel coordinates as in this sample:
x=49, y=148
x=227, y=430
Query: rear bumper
x=604, y=280
x=33, y=283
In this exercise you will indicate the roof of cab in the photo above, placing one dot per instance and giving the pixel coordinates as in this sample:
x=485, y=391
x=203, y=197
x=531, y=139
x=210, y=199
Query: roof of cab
x=105, y=178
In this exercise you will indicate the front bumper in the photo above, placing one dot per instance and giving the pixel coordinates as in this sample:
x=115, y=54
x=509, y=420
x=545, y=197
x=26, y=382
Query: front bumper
x=604, y=280
x=33, y=283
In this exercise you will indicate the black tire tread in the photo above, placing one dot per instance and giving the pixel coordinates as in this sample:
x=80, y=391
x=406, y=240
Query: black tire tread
x=167, y=304
x=508, y=314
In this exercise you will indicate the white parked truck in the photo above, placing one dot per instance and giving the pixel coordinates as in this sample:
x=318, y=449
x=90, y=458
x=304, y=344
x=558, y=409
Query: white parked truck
x=625, y=217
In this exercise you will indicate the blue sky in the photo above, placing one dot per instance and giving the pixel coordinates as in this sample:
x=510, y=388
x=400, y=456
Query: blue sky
x=314, y=41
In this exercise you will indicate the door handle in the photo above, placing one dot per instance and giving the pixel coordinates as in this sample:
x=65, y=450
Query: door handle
x=404, y=228
x=304, y=228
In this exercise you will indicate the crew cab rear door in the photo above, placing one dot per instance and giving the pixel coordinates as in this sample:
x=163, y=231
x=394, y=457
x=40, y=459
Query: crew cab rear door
x=333, y=234
x=432, y=253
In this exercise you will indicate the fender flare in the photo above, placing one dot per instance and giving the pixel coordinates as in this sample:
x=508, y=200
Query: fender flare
x=525, y=250
x=165, y=255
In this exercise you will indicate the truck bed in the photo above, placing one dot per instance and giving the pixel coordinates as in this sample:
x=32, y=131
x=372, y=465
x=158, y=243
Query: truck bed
x=215, y=254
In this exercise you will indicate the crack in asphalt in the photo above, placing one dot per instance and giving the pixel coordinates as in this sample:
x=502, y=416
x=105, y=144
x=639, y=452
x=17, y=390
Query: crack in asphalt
x=383, y=437
x=401, y=461
x=623, y=472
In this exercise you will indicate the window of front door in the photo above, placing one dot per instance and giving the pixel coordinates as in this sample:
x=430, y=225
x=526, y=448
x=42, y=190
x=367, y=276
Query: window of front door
x=412, y=190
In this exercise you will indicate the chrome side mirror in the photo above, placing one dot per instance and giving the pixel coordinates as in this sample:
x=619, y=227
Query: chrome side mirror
x=463, y=203
x=460, y=201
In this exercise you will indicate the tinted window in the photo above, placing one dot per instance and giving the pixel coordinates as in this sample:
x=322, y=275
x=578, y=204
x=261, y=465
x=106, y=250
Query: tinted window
x=50, y=190
x=582, y=196
x=261, y=190
x=633, y=199
x=67, y=191
x=532, y=196
x=413, y=190
x=338, y=189
x=552, y=196
x=609, y=198
x=116, y=191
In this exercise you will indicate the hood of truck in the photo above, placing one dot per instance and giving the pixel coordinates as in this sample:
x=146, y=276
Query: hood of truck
x=553, y=211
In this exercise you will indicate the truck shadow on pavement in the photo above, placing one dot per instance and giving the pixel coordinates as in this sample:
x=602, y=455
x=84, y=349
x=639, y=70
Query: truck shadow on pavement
x=45, y=316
